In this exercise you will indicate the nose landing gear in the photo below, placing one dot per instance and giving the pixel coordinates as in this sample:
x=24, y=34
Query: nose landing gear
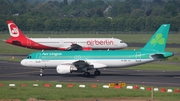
x=41, y=71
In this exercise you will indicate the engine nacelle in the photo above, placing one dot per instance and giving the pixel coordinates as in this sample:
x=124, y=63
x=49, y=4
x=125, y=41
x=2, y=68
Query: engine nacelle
x=65, y=69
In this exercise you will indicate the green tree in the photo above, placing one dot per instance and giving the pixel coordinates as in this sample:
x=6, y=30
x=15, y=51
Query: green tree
x=171, y=9
x=65, y=2
x=84, y=24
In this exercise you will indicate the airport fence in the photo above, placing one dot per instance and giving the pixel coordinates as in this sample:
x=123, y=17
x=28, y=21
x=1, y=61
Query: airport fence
x=88, y=32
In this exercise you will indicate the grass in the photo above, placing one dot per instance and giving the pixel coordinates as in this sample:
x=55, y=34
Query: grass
x=157, y=66
x=11, y=49
x=65, y=93
x=173, y=59
x=175, y=50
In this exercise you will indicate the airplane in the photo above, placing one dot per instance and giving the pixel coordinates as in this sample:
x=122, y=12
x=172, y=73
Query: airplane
x=19, y=39
x=82, y=61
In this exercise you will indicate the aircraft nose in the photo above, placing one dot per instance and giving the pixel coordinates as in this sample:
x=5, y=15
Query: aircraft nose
x=125, y=45
x=23, y=62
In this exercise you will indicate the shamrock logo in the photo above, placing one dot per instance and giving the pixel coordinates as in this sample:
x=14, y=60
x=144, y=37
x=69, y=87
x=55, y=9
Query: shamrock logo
x=158, y=39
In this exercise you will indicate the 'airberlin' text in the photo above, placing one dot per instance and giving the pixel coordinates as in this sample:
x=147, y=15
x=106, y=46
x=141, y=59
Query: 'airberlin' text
x=100, y=42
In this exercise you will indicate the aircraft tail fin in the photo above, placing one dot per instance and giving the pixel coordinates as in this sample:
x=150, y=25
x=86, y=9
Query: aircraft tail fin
x=14, y=31
x=159, y=39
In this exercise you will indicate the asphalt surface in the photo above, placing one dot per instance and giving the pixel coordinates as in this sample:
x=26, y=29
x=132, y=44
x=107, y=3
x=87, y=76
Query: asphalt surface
x=14, y=71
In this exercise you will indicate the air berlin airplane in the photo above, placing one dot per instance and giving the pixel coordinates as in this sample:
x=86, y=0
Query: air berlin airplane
x=19, y=39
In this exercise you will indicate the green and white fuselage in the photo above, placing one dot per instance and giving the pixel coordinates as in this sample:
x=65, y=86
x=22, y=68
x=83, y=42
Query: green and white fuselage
x=82, y=61
x=118, y=58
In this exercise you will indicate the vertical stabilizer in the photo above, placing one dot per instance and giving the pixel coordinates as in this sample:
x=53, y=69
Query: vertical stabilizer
x=159, y=39
x=14, y=31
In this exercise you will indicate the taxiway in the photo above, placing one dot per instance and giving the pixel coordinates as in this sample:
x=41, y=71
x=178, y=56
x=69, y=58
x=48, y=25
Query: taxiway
x=14, y=71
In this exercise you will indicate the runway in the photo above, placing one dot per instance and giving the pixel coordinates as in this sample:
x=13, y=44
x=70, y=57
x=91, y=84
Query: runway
x=14, y=71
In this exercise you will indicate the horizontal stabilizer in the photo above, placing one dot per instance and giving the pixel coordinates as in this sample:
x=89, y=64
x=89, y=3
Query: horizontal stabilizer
x=157, y=56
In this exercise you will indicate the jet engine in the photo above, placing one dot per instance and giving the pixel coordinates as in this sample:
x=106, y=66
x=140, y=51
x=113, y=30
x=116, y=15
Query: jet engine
x=75, y=47
x=65, y=69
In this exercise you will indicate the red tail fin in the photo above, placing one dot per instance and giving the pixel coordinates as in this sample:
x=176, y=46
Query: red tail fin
x=14, y=31
x=16, y=36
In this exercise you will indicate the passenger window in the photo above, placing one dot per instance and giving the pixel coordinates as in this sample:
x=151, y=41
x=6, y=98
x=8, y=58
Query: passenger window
x=29, y=57
x=121, y=42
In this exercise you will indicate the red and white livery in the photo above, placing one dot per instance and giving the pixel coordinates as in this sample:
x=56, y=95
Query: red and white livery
x=19, y=39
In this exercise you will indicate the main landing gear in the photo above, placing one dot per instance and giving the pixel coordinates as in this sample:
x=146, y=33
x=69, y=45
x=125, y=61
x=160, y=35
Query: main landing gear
x=41, y=71
x=86, y=74
x=96, y=73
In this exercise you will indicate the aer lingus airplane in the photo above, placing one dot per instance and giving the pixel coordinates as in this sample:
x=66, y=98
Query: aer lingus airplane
x=19, y=39
x=81, y=61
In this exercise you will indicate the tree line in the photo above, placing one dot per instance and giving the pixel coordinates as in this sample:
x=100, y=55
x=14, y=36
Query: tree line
x=90, y=15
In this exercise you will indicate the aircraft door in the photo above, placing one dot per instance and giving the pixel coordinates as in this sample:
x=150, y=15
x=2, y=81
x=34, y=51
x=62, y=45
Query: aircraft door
x=61, y=43
x=38, y=58
x=116, y=42
x=138, y=56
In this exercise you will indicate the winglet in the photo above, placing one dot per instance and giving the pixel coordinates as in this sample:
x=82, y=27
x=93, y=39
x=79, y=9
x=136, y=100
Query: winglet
x=159, y=39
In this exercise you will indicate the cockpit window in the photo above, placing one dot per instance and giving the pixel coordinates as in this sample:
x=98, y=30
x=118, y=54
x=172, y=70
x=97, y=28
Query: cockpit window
x=121, y=42
x=29, y=57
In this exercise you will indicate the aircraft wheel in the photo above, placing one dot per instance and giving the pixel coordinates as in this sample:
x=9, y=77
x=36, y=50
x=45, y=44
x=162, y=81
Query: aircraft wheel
x=97, y=72
x=41, y=71
x=86, y=74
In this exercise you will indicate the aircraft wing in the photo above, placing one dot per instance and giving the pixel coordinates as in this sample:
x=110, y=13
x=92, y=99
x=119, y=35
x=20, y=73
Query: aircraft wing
x=77, y=47
x=84, y=64
x=77, y=66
